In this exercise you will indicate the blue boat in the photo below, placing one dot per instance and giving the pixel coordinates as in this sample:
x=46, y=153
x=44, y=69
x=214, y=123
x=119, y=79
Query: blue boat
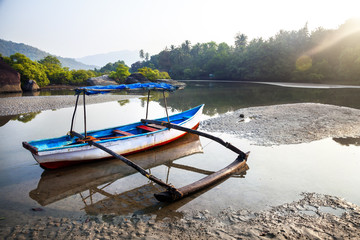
x=127, y=139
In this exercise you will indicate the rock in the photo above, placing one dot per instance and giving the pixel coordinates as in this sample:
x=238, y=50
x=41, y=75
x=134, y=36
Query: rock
x=30, y=86
x=9, y=78
x=102, y=80
x=136, y=78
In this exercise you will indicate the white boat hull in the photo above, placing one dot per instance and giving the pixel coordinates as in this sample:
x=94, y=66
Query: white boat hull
x=127, y=145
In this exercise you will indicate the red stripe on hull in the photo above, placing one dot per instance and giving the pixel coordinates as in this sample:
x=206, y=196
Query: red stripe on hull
x=61, y=164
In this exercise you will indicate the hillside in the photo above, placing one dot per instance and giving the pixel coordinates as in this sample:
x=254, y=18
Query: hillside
x=8, y=48
x=129, y=57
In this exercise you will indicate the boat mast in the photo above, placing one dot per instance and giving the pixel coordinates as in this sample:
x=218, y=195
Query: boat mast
x=85, y=117
x=74, y=113
x=167, y=114
x=73, y=116
x=147, y=104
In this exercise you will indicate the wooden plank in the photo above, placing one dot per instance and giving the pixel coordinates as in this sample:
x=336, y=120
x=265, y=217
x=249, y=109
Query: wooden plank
x=156, y=126
x=147, y=128
x=122, y=132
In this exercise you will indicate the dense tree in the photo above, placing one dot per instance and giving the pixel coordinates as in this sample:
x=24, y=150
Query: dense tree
x=110, y=67
x=121, y=73
x=28, y=69
x=331, y=56
x=298, y=56
x=152, y=75
x=50, y=61
x=79, y=77
x=55, y=73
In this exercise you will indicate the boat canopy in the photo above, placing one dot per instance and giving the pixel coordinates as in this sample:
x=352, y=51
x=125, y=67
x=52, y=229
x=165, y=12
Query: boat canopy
x=112, y=88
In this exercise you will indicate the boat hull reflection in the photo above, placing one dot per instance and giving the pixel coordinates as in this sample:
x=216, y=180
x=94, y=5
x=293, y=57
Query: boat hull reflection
x=91, y=182
x=58, y=184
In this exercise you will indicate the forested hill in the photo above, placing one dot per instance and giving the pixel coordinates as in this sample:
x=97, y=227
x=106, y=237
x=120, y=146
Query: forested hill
x=8, y=48
x=320, y=56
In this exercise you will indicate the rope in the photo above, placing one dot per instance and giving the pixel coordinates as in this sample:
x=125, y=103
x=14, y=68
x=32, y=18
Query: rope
x=212, y=141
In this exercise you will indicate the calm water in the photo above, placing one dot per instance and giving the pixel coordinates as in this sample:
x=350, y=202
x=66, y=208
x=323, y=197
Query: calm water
x=275, y=175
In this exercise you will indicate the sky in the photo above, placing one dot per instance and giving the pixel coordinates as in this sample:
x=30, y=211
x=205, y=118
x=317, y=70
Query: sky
x=78, y=28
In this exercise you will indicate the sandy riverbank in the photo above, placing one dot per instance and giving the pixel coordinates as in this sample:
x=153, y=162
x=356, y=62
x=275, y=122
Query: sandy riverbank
x=288, y=123
x=21, y=105
x=314, y=216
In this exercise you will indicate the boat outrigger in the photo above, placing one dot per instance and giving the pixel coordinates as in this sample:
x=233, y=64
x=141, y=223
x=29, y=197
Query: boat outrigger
x=123, y=140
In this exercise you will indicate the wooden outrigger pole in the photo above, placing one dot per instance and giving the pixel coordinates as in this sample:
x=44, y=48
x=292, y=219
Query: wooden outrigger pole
x=171, y=194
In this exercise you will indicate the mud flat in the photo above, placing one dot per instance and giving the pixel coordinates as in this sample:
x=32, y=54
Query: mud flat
x=288, y=123
x=314, y=216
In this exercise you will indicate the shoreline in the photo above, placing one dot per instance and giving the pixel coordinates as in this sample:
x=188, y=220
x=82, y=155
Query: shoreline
x=313, y=216
x=22, y=105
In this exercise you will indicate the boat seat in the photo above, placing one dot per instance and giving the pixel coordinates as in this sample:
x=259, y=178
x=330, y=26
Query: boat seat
x=156, y=126
x=122, y=132
x=147, y=128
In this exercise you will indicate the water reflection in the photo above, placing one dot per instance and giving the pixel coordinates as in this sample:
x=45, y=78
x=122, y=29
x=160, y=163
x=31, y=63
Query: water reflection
x=348, y=141
x=93, y=182
x=27, y=117
x=5, y=119
x=222, y=97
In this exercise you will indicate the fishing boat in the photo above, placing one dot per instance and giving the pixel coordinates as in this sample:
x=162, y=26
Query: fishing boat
x=59, y=152
x=135, y=137
x=127, y=139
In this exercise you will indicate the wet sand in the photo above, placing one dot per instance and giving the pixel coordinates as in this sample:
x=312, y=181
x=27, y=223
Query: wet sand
x=287, y=123
x=314, y=216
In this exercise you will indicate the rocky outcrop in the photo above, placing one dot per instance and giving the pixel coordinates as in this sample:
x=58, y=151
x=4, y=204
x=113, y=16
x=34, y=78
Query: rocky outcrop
x=31, y=86
x=103, y=80
x=136, y=78
x=9, y=79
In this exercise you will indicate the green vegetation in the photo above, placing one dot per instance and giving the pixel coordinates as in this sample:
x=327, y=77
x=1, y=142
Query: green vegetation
x=110, y=67
x=8, y=48
x=322, y=56
x=29, y=70
x=47, y=71
x=121, y=73
x=152, y=75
